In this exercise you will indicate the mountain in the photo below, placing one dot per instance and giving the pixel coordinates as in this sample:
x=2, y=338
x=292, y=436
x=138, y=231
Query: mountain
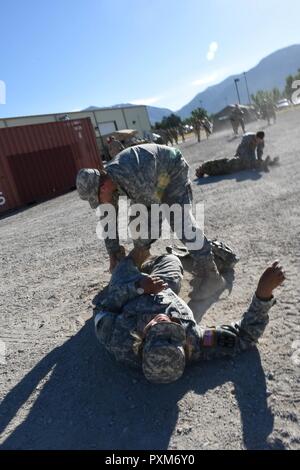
x=269, y=73
x=155, y=114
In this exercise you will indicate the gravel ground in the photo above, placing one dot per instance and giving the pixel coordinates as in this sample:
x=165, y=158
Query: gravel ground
x=59, y=389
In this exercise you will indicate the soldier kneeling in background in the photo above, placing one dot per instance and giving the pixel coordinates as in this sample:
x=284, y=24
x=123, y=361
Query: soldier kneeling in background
x=248, y=157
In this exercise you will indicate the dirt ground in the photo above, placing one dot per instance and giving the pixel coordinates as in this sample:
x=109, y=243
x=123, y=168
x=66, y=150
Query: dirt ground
x=58, y=387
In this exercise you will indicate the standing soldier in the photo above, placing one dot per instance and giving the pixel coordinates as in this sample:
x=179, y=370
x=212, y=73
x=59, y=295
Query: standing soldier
x=152, y=174
x=197, y=129
x=180, y=131
x=208, y=126
x=237, y=119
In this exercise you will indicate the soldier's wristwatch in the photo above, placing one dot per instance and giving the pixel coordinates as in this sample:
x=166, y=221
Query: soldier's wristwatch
x=139, y=289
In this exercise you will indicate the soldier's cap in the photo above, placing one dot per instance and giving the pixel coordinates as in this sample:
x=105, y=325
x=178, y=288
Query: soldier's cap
x=87, y=184
x=163, y=353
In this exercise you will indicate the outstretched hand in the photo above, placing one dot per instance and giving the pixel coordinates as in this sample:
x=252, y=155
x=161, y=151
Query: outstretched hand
x=272, y=277
x=152, y=284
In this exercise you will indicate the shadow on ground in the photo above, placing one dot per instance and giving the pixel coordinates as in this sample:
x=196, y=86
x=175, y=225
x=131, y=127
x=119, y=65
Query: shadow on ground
x=90, y=402
x=239, y=177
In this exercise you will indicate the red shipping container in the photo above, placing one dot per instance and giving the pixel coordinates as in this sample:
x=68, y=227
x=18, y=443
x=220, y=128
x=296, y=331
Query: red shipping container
x=40, y=161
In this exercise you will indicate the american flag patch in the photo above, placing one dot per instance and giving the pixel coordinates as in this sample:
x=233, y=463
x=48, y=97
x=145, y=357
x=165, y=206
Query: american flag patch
x=208, y=338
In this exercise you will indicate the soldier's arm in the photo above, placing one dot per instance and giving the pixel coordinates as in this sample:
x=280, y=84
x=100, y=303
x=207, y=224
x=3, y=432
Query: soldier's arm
x=229, y=340
x=112, y=242
x=260, y=151
x=126, y=281
x=123, y=285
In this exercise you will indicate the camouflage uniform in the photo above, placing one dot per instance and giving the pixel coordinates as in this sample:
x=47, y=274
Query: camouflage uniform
x=245, y=159
x=114, y=147
x=237, y=119
x=124, y=311
x=208, y=127
x=154, y=174
x=223, y=166
x=248, y=148
x=268, y=112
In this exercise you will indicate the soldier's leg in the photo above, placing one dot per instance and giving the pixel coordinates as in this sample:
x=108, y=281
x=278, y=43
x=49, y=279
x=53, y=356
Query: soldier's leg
x=188, y=231
x=243, y=125
x=168, y=268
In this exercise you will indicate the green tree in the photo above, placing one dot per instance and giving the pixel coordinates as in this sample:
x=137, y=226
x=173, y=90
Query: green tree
x=169, y=122
x=199, y=114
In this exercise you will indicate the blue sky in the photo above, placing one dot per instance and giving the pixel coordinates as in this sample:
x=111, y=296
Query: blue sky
x=64, y=55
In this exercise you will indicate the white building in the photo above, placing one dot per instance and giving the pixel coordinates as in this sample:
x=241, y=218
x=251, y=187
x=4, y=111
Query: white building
x=104, y=120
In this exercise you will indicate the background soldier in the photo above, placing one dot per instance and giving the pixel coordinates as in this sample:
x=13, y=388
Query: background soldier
x=248, y=156
x=237, y=119
x=268, y=111
x=180, y=131
x=207, y=126
x=144, y=324
x=114, y=147
x=197, y=129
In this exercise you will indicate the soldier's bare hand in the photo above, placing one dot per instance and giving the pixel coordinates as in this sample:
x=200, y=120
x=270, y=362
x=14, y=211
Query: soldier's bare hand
x=270, y=279
x=152, y=284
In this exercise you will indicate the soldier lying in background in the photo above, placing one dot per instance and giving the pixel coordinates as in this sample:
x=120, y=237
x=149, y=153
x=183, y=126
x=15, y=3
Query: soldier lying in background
x=143, y=323
x=248, y=157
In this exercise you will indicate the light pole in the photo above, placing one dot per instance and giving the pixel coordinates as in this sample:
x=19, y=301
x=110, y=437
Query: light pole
x=236, y=80
x=249, y=99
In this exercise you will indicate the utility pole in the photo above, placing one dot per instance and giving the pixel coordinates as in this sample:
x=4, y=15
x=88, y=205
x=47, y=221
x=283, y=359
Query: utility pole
x=236, y=80
x=249, y=99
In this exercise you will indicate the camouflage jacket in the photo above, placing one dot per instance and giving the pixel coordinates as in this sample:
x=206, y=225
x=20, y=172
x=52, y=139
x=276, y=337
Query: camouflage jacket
x=123, y=311
x=237, y=114
x=248, y=147
x=147, y=174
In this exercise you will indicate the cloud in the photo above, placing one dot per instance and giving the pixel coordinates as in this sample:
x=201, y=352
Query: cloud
x=208, y=79
x=146, y=101
x=212, y=50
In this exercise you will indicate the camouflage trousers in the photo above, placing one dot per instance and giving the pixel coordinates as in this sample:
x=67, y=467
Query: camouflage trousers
x=168, y=267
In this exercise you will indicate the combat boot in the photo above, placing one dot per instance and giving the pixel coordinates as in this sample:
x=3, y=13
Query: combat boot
x=274, y=162
x=199, y=172
x=210, y=280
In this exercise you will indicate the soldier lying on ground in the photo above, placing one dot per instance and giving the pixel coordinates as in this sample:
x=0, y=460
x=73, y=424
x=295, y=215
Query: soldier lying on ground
x=143, y=323
x=152, y=174
x=248, y=156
